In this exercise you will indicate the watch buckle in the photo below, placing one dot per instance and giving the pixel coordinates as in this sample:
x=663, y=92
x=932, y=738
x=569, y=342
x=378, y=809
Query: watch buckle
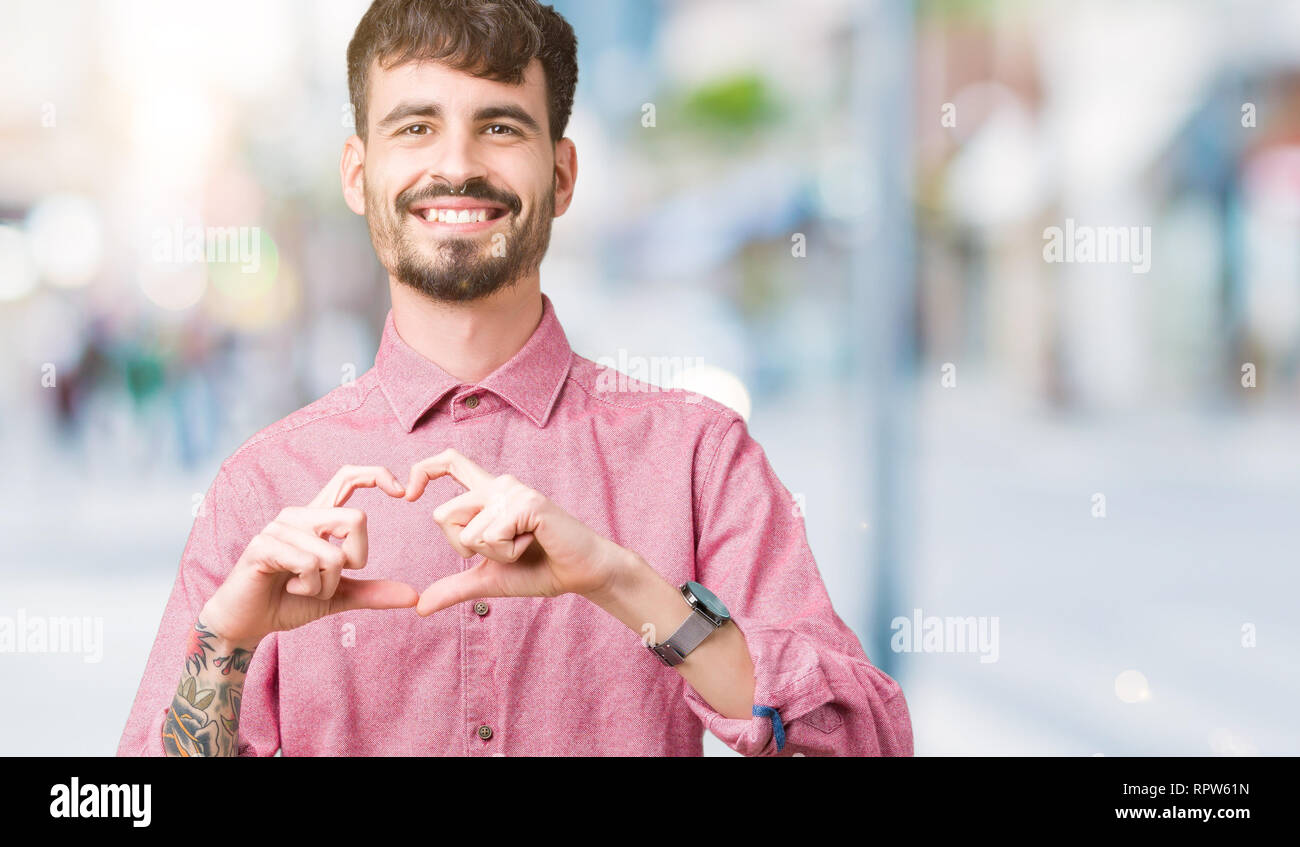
x=663, y=651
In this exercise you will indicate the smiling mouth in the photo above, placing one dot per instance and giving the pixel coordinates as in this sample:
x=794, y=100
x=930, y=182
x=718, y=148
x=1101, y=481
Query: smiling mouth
x=477, y=214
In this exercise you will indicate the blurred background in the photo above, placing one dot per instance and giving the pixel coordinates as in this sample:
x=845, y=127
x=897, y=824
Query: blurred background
x=877, y=224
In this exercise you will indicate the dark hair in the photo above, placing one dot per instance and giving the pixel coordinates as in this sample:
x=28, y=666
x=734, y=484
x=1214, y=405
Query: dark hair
x=492, y=39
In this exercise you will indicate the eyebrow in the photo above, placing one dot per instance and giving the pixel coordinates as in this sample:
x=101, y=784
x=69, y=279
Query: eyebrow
x=432, y=110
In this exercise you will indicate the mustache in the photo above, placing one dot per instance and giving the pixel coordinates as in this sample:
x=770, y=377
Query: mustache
x=477, y=190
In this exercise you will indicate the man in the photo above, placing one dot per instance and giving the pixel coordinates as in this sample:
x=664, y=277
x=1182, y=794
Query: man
x=606, y=572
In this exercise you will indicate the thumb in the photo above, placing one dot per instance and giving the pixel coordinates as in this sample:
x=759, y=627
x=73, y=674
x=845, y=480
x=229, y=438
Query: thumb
x=453, y=589
x=372, y=594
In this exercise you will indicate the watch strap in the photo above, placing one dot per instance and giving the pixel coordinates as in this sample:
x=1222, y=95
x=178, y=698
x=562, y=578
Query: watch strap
x=688, y=636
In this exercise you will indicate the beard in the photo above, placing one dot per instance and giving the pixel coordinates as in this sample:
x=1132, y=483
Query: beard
x=459, y=268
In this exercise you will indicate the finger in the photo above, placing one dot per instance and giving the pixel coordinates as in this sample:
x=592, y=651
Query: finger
x=492, y=531
x=351, y=477
x=517, y=513
x=452, y=533
x=460, y=509
x=457, y=588
x=522, y=543
x=372, y=594
x=504, y=549
x=308, y=541
x=330, y=557
x=505, y=538
x=313, y=534
x=447, y=463
x=453, y=515
x=472, y=531
x=276, y=555
x=339, y=522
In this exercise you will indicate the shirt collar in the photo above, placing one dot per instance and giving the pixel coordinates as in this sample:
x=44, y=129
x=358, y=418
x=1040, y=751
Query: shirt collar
x=530, y=381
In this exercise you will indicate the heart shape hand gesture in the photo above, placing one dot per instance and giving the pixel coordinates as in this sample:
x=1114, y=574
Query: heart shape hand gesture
x=291, y=574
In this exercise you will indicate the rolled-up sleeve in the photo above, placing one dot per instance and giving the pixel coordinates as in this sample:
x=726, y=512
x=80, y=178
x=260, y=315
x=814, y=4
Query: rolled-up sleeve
x=230, y=515
x=816, y=692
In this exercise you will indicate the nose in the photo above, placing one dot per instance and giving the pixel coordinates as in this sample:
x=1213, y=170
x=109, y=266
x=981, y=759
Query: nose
x=455, y=160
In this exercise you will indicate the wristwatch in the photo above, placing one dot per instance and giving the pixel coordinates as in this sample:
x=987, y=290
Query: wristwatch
x=707, y=614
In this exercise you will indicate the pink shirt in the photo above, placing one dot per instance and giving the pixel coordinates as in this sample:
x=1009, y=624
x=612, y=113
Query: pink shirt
x=672, y=475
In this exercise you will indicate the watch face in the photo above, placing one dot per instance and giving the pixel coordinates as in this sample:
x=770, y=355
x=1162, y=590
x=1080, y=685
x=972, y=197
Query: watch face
x=709, y=601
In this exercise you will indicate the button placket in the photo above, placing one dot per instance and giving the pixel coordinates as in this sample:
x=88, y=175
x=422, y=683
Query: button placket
x=480, y=702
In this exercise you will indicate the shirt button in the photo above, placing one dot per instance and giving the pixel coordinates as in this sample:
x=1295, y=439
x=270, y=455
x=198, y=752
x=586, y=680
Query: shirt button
x=485, y=732
x=480, y=608
x=471, y=401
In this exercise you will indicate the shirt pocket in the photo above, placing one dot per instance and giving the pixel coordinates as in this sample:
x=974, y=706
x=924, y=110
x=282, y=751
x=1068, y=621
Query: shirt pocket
x=825, y=717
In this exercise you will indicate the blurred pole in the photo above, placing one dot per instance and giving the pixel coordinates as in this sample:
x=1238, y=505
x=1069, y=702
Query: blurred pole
x=883, y=268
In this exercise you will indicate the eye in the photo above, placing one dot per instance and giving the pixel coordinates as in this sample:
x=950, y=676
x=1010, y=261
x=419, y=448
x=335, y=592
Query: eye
x=509, y=129
x=408, y=130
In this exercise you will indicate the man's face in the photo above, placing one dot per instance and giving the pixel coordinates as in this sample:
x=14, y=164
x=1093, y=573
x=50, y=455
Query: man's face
x=435, y=130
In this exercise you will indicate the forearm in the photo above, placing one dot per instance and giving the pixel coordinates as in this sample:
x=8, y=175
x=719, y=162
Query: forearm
x=204, y=715
x=721, y=669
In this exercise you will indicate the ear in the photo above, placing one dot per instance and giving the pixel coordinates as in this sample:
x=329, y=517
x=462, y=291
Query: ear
x=352, y=172
x=566, y=174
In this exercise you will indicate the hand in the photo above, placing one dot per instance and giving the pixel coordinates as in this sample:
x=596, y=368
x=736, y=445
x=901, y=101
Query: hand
x=530, y=546
x=290, y=574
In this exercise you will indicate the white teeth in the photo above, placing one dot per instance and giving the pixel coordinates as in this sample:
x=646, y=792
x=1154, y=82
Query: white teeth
x=456, y=216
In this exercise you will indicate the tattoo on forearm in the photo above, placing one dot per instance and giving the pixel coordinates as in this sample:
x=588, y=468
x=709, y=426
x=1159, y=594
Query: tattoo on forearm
x=238, y=660
x=204, y=716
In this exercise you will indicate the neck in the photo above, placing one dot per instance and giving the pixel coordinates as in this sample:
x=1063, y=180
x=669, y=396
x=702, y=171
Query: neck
x=468, y=340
